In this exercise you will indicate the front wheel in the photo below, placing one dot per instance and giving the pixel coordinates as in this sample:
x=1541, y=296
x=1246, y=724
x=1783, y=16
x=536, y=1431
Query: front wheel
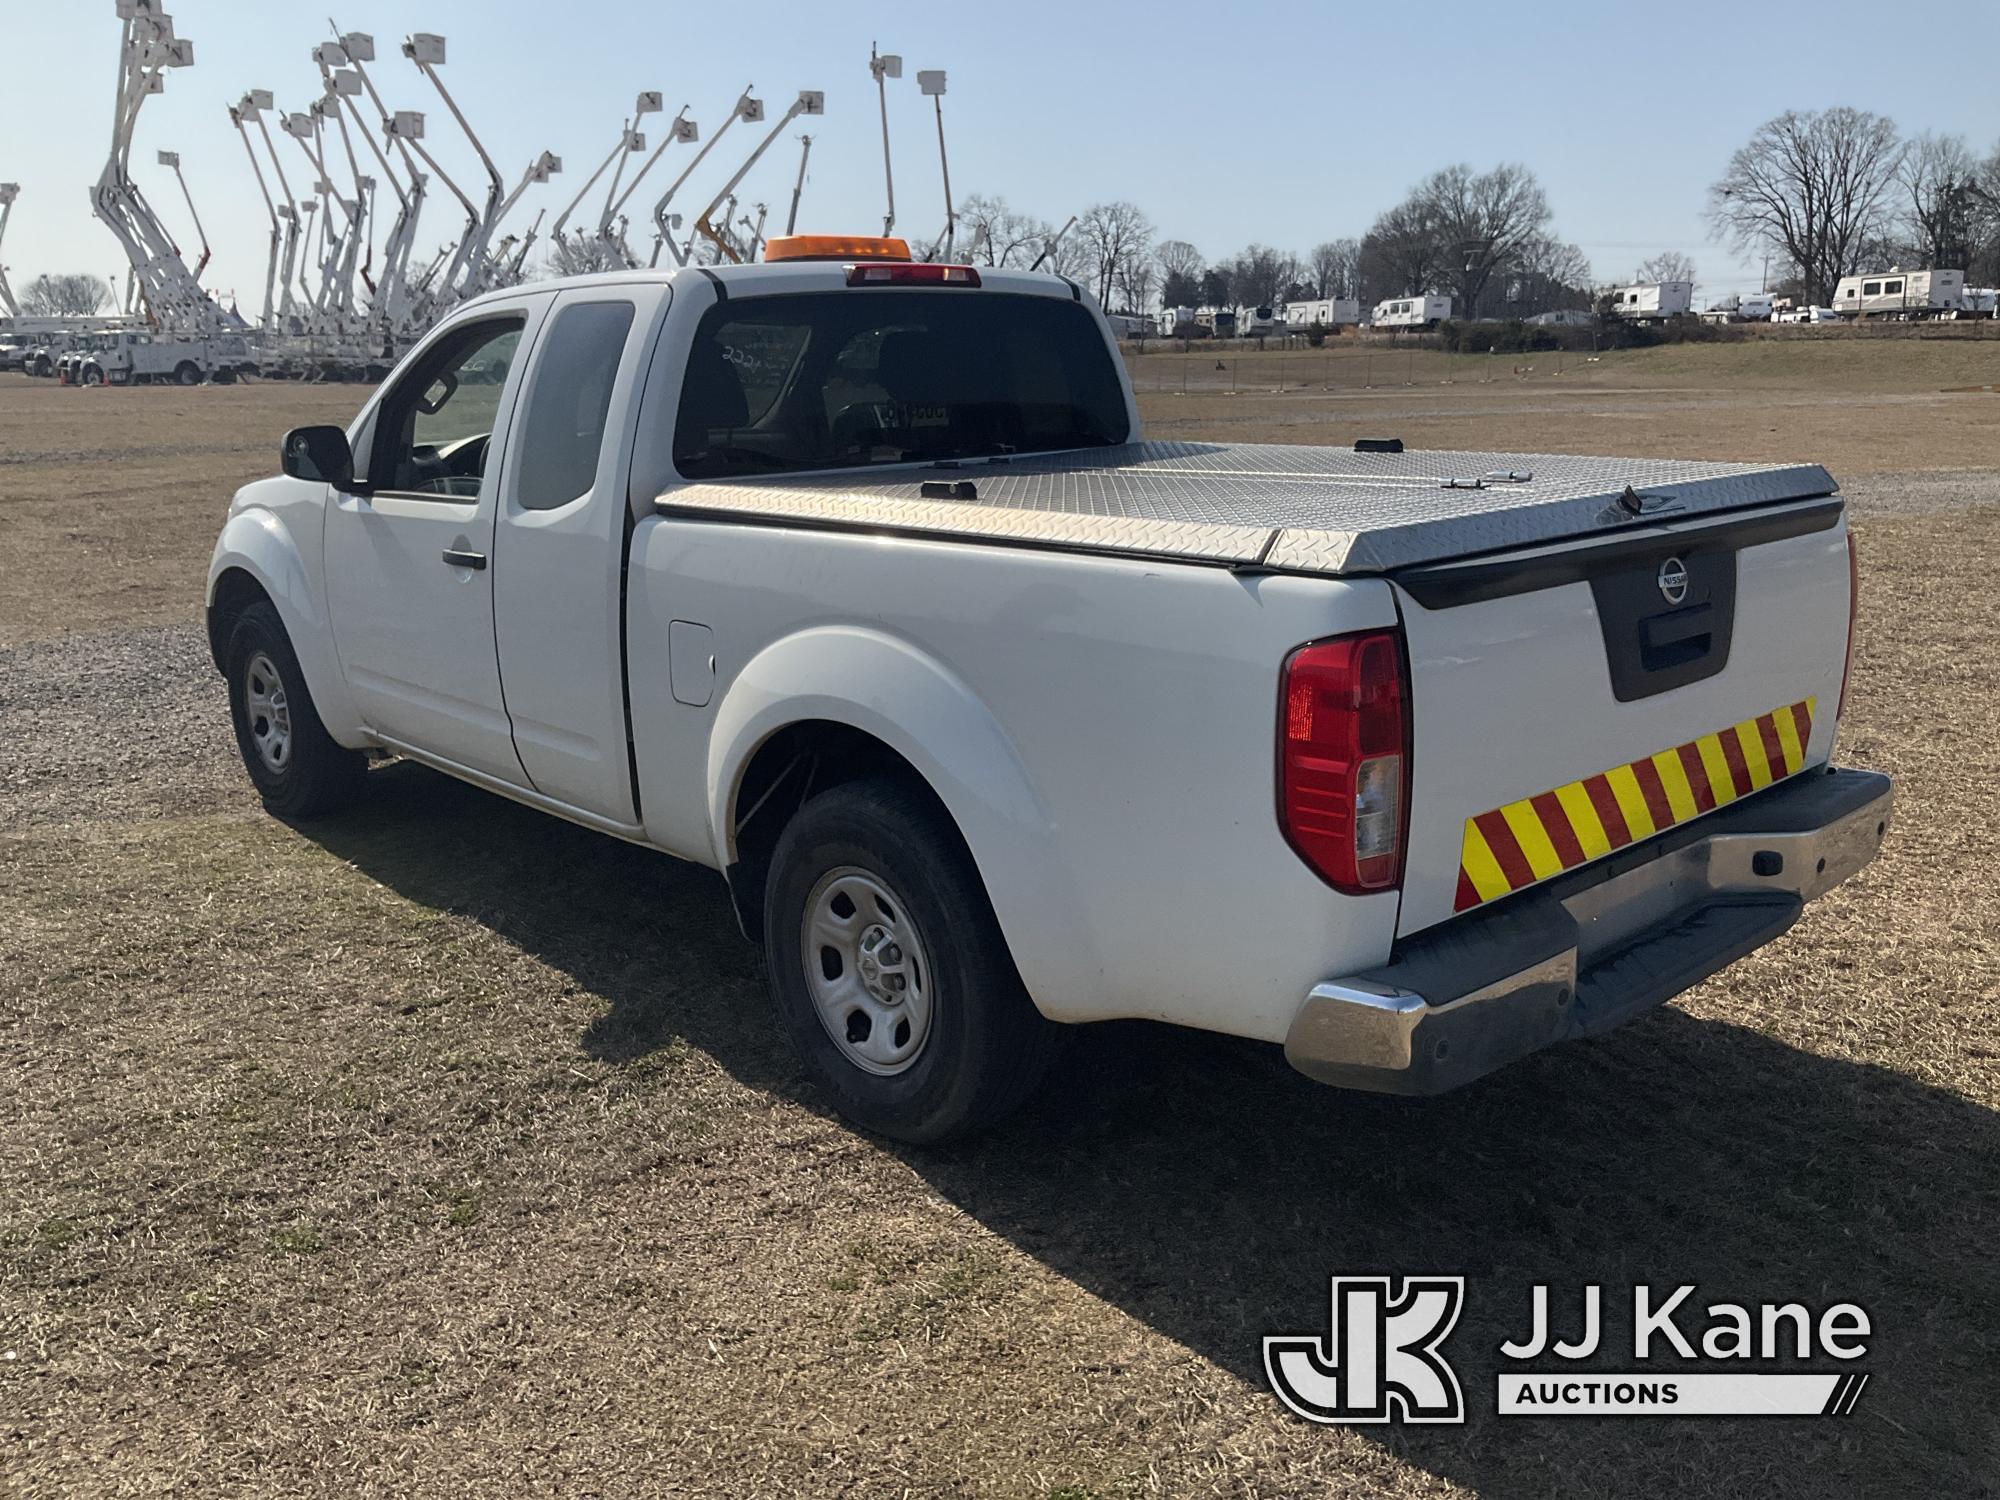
x=187, y=373
x=890, y=969
x=298, y=769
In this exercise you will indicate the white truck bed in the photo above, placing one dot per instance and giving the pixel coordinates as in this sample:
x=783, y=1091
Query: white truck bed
x=1282, y=508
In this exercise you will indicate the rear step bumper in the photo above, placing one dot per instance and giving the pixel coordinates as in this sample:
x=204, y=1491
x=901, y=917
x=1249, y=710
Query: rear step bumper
x=1593, y=948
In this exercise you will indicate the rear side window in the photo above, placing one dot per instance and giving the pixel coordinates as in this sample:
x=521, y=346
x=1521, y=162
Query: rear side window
x=564, y=431
x=845, y=379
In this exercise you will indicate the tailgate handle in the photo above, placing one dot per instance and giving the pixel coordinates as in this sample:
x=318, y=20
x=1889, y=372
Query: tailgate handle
x=1672, y=639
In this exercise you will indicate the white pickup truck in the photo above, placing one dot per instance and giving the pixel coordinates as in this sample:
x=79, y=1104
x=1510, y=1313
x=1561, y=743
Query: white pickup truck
x=855, y=580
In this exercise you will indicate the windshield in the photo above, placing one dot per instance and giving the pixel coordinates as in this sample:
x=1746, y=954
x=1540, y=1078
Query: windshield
x=825, y=380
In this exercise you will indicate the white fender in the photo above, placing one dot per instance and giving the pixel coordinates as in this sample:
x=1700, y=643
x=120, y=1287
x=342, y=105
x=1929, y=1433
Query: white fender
x=256, y=540
x=886, y=687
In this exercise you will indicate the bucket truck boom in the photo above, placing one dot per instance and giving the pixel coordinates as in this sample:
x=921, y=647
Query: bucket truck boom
x=809, y=102
x=884, y=68
x=931, y=81
x=746, y=108
x=799, y=185
x=9, y=191
x=245, y=108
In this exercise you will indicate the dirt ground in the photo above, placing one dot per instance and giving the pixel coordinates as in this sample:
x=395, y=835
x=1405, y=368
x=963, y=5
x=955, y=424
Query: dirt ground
x=446, y=1149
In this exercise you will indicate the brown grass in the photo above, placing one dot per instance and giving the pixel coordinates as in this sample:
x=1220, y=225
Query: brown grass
x=446, y=1149
x=1858, y=406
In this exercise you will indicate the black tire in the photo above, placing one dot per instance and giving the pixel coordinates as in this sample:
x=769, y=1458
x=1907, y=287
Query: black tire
x=313, y=775
x=986, y=1046
x=92, y=375
x=187, y=372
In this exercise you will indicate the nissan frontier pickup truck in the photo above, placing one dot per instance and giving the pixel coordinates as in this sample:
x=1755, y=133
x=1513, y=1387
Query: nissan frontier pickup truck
x=856, y=580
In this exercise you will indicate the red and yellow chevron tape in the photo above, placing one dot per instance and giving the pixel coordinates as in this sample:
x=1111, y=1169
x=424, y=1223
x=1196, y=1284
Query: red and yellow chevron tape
x=1539, y=837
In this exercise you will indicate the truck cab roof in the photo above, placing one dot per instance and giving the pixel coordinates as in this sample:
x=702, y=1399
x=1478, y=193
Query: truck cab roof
x=779, y=277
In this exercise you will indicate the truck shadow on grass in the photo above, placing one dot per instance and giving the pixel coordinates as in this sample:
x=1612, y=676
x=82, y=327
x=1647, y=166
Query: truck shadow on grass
x=1201, y=1187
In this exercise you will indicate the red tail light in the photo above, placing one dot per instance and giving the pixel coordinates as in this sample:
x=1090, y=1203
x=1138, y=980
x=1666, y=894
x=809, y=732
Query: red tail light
x=1853, y=612
x=893, y=273
x=1343, y=759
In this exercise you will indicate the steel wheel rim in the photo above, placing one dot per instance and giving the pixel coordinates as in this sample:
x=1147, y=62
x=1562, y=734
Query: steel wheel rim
x=867, y=971
x=266, y=712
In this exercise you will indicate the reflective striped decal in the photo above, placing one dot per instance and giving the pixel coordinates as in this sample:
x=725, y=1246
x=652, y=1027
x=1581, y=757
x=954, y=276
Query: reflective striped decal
x=1539, y=837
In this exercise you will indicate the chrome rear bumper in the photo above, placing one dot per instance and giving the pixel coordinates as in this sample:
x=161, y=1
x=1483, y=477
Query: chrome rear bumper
x=1592, y=948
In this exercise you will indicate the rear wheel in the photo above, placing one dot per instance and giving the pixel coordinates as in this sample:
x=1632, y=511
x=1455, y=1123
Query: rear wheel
x=297, y=768
x=187, y=372
x=890, y=969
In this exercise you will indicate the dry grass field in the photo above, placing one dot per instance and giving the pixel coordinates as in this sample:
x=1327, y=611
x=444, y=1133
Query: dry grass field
x=446, y=1149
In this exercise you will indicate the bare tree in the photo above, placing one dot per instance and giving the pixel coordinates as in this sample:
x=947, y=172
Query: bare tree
x=581, y=255
x=1113, y=234
x=1004, y=236
x=1482, y=220
x=1332, y=267
x=1136, y=280
x=1668, y=265
x=1071, y=255
x=1550, y=274
x=1180, y=266
x=1258, y=277
x=1812, y=188
x=1982, y=266
x=76, y=295
x=1951, y=214
x=1402, y=254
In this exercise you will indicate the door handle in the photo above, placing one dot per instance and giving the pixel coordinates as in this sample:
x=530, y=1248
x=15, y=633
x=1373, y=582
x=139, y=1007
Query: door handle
x=461, y=559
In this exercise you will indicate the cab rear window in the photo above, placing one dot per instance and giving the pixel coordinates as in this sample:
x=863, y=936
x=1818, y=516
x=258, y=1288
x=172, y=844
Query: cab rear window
x=845, y=379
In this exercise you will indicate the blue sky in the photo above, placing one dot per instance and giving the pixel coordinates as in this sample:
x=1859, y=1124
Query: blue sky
x=1285, y=123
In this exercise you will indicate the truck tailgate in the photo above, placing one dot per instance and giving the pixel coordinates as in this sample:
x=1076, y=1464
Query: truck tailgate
x=1572, y=699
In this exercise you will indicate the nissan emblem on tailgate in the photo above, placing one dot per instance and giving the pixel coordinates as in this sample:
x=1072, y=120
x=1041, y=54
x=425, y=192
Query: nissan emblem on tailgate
x=1673, y=580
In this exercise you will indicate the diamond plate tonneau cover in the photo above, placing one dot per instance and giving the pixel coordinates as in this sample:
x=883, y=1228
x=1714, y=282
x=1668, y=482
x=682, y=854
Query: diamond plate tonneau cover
x=1289, y=509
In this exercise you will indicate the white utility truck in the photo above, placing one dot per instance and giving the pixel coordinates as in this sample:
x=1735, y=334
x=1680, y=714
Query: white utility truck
x=856, y=580
x=141, y=357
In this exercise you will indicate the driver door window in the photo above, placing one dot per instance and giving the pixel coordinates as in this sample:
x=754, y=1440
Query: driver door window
x=436, y=425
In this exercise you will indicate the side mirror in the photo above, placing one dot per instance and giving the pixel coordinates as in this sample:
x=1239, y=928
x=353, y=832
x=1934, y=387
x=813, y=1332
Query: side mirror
x=320, y=455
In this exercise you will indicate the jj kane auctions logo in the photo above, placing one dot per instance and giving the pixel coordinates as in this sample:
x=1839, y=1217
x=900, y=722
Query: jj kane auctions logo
x=1382, y=1358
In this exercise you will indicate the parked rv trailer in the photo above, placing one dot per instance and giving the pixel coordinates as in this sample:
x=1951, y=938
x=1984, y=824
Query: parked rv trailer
x=1653, y=301
x=1129, y=325
x=1979, y=302
x=1412, y=312
x=1183, y=323
x=1900, y=294
x=1327, y=312
x=1256, y=322
x=1219, y=321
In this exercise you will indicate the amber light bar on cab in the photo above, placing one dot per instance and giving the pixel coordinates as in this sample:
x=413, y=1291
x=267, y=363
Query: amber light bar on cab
x=836, y=247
